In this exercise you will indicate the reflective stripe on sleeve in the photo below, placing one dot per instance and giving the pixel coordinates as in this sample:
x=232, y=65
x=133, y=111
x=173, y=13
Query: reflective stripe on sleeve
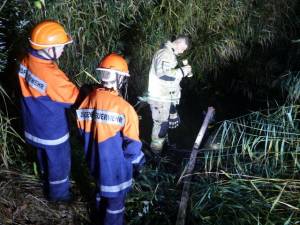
x=115, y=211
x=138, y=159
x=45, y=141
x=116, y=188
x=32, y=79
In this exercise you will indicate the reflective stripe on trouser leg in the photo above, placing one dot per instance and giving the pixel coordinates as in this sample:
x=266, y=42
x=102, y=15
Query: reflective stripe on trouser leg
x=59, y=165
x=115, y=211
x=160, y=115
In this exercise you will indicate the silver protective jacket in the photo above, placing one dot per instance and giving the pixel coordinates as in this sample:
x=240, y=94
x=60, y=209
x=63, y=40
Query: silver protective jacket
x=164, y=77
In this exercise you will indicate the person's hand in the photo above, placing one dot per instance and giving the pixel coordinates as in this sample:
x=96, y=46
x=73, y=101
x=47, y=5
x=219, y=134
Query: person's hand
x=186, y=70
x=190, y=74
x=185, y=62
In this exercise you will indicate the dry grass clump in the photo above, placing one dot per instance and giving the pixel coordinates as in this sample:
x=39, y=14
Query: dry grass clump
x=22, y=202
x=9, y=141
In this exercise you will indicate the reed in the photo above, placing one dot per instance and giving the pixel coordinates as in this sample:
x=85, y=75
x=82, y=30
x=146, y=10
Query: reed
x=247, y=174
x=221, y=31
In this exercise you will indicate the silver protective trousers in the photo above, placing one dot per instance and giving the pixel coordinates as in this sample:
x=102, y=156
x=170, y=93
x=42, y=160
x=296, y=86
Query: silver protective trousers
x=160, y=116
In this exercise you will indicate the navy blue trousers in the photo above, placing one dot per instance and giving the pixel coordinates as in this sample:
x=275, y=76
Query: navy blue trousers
x=55, y=166
x=111, y=210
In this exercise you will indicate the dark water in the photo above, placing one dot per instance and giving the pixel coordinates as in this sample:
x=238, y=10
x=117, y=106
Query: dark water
x=192, y=110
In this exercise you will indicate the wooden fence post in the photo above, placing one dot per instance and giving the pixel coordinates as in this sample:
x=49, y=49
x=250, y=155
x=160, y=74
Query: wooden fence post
x=186, y=174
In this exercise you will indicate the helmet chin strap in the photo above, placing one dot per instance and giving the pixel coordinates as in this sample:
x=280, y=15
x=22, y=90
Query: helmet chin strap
x=125, y=85
x=122, y=86
x=54, y=53
x=49, y=56
x=119, y=84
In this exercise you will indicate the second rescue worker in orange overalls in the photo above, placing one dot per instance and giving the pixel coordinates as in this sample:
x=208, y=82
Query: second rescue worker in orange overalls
x=46, y=94
x=110, y=130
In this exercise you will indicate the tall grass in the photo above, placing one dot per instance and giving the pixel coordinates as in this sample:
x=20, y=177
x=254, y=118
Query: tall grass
x=3, y=50
x=221, y=31
x=248, y=173
x=235, y=199
x=10, y=140
x=97, y=28
x=265, y=143
x=251, y=176
x=155, y=196
x=291, y=85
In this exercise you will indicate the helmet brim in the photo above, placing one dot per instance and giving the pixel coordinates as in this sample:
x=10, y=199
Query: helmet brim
x=42, y=46
x=112, y=70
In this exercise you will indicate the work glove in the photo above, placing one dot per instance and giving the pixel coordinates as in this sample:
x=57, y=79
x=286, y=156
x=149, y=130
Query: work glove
x=174, y=119
x=186, y=71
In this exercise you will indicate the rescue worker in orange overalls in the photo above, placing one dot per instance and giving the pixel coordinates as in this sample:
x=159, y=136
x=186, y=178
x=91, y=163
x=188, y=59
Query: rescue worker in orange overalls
x=110, y=130
x=46, y=94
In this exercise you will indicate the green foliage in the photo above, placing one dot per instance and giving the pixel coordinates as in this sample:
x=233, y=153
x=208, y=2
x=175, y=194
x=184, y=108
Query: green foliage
x=235, y=199
x=97, y=28
x=3, y=51
x=249, y=169
x=291, y=85
x=154, y=198
x=11, y=23
x=221, y=31
x=250, y=172
x=9, y=138
x=265, y=143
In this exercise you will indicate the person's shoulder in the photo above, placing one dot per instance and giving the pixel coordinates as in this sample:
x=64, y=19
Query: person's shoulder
x=122, y=101
x=129, y=108
x=123, y=104
x=106, y=96
x=47, y=71
x=56, y=71
x=165, y=51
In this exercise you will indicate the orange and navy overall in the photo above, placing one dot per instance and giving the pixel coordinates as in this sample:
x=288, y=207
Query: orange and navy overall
x=46, y=94
x=110, y=130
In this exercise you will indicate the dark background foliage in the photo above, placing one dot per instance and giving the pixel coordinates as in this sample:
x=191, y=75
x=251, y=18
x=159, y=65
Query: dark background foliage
x=241, y=52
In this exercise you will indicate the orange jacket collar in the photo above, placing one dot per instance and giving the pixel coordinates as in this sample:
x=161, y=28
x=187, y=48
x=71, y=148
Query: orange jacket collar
x=113, y=92
x=36, y=59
